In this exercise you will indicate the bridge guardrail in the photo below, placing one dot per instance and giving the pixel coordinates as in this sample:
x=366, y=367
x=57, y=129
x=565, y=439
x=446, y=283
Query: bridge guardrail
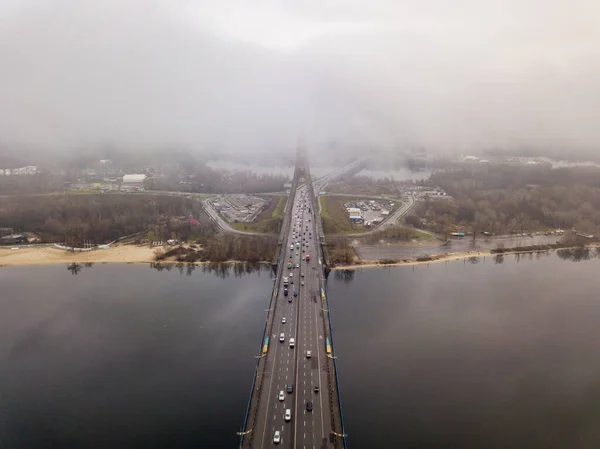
x=255, y=393
x=328, y=332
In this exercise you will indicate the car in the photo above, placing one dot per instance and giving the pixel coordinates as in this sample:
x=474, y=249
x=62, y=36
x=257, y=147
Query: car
x=291, y=281
x=302, y=283
x=290, y=388
x=281, y=395
x=291, y=246
x=291, y=275
x=282, y=337
x=302, y=274
x=285, y=292
x=283, y=320
x=288, y=414
x=316, y=389
x=297, y=265
x=309, y=406
x=295, y=293
x=292, y=342
x=308, y=354
x=297, y=252
x=277, y=437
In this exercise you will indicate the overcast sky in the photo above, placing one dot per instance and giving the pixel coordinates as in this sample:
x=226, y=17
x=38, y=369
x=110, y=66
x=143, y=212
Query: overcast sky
x=461, y=74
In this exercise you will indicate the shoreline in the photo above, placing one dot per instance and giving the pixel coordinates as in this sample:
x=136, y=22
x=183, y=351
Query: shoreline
x=450, y=257
x=129, y=254
x=48, y=255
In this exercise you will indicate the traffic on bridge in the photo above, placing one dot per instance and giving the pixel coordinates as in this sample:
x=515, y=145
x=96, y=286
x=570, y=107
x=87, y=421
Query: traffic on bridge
x=294, y=401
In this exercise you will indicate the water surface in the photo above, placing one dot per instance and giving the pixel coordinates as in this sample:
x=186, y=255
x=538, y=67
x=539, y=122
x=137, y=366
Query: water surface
x=470, y=355
x=123, y=356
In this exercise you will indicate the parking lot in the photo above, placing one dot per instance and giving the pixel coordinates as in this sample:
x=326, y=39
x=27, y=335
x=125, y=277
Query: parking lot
x=372, y=211
x=238, y=208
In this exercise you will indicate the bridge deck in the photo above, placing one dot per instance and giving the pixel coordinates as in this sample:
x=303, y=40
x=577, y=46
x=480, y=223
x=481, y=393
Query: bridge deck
x=307, y=321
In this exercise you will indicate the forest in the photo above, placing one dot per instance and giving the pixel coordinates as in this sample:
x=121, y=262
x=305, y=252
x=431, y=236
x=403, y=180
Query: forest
x=102, y=218
x=506, y=198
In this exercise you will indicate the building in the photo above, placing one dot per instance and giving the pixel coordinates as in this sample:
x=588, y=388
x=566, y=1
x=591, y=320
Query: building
x=133, y=181
x=13, y=239
x=351, y=210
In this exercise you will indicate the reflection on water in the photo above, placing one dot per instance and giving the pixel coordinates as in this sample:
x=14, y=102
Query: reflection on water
x=121, y=356
x=219, y=269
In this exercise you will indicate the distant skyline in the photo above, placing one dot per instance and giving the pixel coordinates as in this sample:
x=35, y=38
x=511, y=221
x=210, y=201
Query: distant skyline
x=448, y=76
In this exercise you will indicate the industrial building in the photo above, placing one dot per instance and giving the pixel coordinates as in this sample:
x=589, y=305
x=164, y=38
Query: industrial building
x=133, y=181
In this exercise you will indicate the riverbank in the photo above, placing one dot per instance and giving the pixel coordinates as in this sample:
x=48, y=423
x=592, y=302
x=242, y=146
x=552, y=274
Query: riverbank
x=454, y=256
x=51, y=255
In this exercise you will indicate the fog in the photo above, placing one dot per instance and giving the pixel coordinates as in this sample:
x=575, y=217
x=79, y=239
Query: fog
x=250, y=75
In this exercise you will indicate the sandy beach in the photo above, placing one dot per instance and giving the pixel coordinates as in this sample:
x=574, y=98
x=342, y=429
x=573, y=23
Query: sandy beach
x=51, y=255
x=441, y=258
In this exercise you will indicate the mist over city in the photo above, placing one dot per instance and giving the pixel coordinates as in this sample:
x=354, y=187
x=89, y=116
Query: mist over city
x=195, y=194
x=253, y=76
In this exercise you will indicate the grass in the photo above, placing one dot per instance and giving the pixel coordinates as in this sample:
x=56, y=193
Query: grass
x=269, y=220
x=335, y=219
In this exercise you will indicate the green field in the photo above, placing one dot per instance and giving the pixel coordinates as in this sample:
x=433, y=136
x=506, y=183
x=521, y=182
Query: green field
x=335, y=219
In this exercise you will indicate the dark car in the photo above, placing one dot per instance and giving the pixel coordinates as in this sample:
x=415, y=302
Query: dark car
x=295, y=293
x=285, y=292
x=290, y=388
x=309, y=406
x=316, y=389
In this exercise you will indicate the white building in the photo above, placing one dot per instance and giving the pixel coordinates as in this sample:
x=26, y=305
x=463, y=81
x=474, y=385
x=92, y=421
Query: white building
x=134, y=179
x=29, y=170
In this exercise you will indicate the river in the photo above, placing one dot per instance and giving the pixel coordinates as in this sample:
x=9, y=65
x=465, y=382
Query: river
x=487, y=353
x=481, y=353
x=123, y=356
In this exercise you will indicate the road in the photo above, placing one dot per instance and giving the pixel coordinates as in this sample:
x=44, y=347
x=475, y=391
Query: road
x=291, y=366
x=214, y=215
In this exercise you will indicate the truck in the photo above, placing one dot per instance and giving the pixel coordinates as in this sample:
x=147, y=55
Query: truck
x=289, y=265
x=307, y=257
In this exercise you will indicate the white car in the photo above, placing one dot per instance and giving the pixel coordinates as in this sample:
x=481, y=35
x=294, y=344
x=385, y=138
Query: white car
x=283, y=320
x=277, y=437
x=291, y=275
x=291, y=246
x=302, y=283
x=308, y=356
x=288, y=414
x=281, y=395
x=282, y=337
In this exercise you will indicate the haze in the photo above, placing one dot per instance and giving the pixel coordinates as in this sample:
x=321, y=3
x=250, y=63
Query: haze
x=251, y=75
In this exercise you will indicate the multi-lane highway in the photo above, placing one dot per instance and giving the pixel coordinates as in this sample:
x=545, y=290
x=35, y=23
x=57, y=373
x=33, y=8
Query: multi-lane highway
x=292, y=397
x=289, y=366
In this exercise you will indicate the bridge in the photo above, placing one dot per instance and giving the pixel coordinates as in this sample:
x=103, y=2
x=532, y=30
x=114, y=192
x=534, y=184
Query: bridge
x=295, y=402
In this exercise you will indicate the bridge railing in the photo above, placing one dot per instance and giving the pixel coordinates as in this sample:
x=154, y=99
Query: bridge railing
x=335, y=403
x=256, y=392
